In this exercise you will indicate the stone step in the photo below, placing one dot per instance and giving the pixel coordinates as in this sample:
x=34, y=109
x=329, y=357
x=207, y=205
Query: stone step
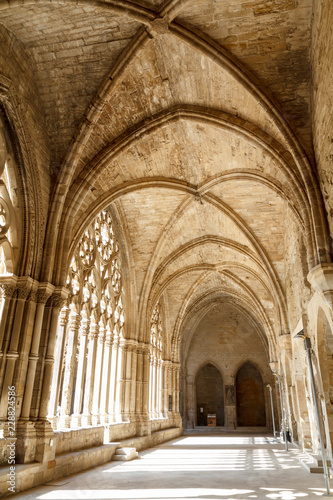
x=125, y=454
x=319, y=462
x=313, y=463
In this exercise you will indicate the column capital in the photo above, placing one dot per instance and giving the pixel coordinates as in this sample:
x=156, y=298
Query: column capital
x=8, y=286
x=93, y=331
x=274, y=366
x=84, y=327
x=58, y=297
x=44, y=291
x=63, y=317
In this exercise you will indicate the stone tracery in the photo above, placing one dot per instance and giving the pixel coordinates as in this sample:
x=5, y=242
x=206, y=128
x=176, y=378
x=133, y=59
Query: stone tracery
x=93, y=320
x=196, y=128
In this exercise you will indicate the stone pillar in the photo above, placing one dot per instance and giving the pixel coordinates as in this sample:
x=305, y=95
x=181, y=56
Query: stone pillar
x=78, y=394
x=24, y=286
x=120, y=385
x=145, y=427
x=159, y=388
x=90, y=373
x=45, y=449
x=130, y=361
x=139, y=381
x=150, y=385
x=7, y=288
x=57, y=369
x=133, y=380
x=68, y=383
x=44, y=293
x=190, y=403
x=106, y=375
x=26, y=435
x=230, y=421
x=154, y=387
x=113, y=380
x=98, y=373
x=54, y=304
x=177, y=371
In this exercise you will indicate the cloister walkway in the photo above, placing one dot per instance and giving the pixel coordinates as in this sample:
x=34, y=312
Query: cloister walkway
x=206, y=466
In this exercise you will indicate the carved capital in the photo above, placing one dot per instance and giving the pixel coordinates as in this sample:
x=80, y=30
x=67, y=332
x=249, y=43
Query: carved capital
x=7, y=291
x=58, y=298
x=63, y=317
x=44, y=292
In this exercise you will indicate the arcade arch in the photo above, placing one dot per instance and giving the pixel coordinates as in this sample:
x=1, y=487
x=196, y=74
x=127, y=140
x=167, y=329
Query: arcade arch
x=161, y=221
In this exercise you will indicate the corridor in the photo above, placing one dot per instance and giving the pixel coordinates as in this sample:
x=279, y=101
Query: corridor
x=210, y=466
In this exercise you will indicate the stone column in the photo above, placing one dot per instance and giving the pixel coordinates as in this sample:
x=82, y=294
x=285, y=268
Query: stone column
x=90, y=373
x=150, y=382
x=120, y=385
x=145, y=426
x=44, y=293
x=106, y=375
x=158, y=388
x=23, y=290
x=177, y=371
x=58, y=359
x=45, y=449
x=78, y=394
x=133, y=381
x=190, y=405
x=26, y=435
x=98, y=373
x=53, y=305
x=139, y=379
x=68, y=383
x=154, y=388
x=113, y=380
x=165, y=389
x=230, y=420
x=128, y=378
x=7, y=289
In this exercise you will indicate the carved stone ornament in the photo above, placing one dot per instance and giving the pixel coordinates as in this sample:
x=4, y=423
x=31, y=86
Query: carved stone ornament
x=7, y=291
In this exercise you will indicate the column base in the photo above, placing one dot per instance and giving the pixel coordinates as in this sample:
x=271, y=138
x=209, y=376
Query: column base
x=46, y=442
x=26, y=440
x=86, y=420
x=75, y=421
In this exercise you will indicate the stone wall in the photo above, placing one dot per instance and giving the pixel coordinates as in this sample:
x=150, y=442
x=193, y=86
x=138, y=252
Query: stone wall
x=322, y=96
x=227, y=339
x=297, y=288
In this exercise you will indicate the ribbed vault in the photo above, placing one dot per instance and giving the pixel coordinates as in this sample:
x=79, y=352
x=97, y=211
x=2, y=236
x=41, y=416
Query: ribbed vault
x=159, y=114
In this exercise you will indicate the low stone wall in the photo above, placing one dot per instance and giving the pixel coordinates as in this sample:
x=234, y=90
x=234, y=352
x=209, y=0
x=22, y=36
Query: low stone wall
x=118, y=432
x=144, y=442
x=78, y=450
x=70, y=440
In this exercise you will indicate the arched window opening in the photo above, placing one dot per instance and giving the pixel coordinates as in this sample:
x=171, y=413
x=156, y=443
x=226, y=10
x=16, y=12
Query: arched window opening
x=90, y=329
x=250, y=397
x=210, y=395
x=156, y=385
x=8, y=198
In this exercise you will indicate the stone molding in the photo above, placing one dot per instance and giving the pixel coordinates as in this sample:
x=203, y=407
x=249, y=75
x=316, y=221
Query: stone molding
x=321, y=280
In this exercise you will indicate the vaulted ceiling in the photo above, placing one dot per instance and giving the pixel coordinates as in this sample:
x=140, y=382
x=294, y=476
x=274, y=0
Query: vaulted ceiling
x=193, y=119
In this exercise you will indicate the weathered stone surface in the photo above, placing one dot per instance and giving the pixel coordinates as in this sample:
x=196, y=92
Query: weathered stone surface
x=157, y=180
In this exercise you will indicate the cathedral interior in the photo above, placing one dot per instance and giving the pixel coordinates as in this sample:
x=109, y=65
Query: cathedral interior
x=166, y=222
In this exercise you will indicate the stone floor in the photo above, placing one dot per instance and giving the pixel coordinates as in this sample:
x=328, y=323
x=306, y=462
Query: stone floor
x=195, y=467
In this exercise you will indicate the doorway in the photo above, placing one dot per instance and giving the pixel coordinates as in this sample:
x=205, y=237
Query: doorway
x=210, y=395
x=250, y=397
